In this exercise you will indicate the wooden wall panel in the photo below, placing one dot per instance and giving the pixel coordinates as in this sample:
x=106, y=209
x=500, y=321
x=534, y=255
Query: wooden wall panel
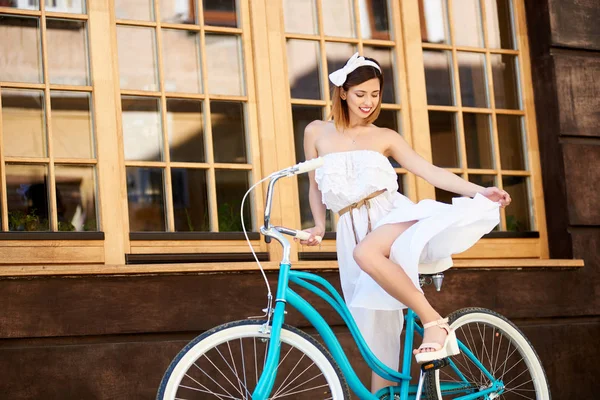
x=578, y=91
x=574, y=23
x=582, y=167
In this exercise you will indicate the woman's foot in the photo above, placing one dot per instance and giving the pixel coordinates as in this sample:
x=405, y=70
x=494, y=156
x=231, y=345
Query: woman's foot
x=439, y=341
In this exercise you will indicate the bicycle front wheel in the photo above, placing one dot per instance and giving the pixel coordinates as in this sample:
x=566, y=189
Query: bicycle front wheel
x=226, y=363
x=501, y=348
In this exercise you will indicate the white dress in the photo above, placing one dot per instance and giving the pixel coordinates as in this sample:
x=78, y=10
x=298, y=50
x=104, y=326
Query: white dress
x=442, y=230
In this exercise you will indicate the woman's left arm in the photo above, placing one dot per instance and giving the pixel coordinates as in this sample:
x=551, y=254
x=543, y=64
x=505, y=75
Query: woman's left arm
x=439, y=177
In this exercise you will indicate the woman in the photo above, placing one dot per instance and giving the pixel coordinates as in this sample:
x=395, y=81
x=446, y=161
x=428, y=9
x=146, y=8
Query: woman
x=382, y=236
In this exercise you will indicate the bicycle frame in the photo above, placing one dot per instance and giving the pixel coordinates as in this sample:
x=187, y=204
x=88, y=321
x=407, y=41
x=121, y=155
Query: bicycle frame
x=285, y=295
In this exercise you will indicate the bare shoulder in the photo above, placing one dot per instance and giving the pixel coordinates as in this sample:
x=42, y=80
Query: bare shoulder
x=315, y=127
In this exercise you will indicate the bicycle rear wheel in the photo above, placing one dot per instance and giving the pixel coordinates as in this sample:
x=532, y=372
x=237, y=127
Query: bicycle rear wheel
x=226, y=363
x=502, y=349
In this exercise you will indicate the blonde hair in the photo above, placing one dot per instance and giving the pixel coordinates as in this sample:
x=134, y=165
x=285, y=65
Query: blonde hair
x=339, y=107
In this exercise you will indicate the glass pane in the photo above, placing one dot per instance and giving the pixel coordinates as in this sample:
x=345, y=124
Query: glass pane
x=185, y=124
x=389, y=119
x=337, y=55
x=338, y=18
x=181, y=61
x=434, y=21
x=231, y=187
x=190, y=200
x=220, y=13
x=511, y=138
x=178, y=12
x=506, y=81
x=20, y=50
x=137, y=58
x=26, y=5
x=70, y=6
x=483, y=180
x=473, y=84
x=67, y=52
x=302, y=116
x=300, y=16
x=228, y=131
x=71, y=124
x=478, y=140
x=518, y=214
x=135, y=9
x=385, y=58
x=225, y=66
x=76, y=198
x=444, y=139
x=303, y=69
x=401, y=183
x=27, y=197
x=466, y=18
x=23, y=123
x=142, y=137
x=438, y=77
x=374, y=21
x=499, y=24
x=146, y=200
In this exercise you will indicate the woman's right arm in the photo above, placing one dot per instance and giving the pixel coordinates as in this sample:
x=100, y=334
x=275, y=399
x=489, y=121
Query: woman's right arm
x=317, y=207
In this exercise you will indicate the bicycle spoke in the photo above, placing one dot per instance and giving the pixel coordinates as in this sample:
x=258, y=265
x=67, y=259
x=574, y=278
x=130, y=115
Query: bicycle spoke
x=301, y=391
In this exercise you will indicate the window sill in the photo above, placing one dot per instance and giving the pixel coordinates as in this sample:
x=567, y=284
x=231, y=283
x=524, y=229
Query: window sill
x=99, y=269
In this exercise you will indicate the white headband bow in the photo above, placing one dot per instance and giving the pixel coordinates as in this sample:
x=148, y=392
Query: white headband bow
x=339, y=77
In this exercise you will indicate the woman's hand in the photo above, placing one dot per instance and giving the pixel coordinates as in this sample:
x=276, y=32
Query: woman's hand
x=495, y=194
x=312, y=241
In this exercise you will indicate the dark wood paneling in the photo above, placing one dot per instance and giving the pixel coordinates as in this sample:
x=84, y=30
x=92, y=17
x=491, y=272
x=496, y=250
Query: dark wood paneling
x=578, y=91
x=574, y=23
x=582, y=166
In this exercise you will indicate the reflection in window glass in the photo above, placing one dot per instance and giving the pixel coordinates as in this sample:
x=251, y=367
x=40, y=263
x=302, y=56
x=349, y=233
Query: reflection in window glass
x=26, y=5
x=499, y=24
x=186, y=130
x=511, y=140
x=71, y=124
x=21, y=40
x=374, y=21
x=466, y=15
x=70, y=6
x=472, y=77
x=67, y=52
x=220, y=13
x=385, y=58
x=76, y=198
x=300, y=16
x=146, y=200
x=438, y=77
x=303, y=69
x=181, y=61
x=135, y=9
x=190, y=200
x=224, y=64
x=337, y=55
x=23, y=123
x=389, y=119
x=228, y=131
x=444, y=139
x=142, y=134
x=434, y=21
x=506, y=81
x=178, y=12
x=231, y=187
x=137, y=58
x=518, y=215
x=478, y=140
x=27, y=197
x=338, y=18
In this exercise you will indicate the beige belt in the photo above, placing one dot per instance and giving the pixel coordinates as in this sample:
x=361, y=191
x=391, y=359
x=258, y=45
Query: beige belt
x=355, y=206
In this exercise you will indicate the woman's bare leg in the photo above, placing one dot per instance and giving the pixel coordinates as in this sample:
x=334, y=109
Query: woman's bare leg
x=378, y=382
x=372, y=255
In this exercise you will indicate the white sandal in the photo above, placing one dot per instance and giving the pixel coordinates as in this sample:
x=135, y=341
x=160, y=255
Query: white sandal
x=449, y=348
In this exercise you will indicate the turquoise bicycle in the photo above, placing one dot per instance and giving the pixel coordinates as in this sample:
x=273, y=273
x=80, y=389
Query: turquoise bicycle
x=266, y=359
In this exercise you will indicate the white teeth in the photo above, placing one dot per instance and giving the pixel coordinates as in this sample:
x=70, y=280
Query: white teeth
x=367, y=109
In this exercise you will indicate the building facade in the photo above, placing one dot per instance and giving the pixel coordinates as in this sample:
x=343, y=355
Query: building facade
x=130, y=131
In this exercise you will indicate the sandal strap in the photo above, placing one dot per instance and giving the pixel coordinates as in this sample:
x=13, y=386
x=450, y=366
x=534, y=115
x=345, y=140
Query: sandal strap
x=435, y=346
x=442, y=323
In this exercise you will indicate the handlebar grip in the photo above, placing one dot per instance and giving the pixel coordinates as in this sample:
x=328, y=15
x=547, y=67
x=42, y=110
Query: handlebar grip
x=309, y=165
x=303, y=235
